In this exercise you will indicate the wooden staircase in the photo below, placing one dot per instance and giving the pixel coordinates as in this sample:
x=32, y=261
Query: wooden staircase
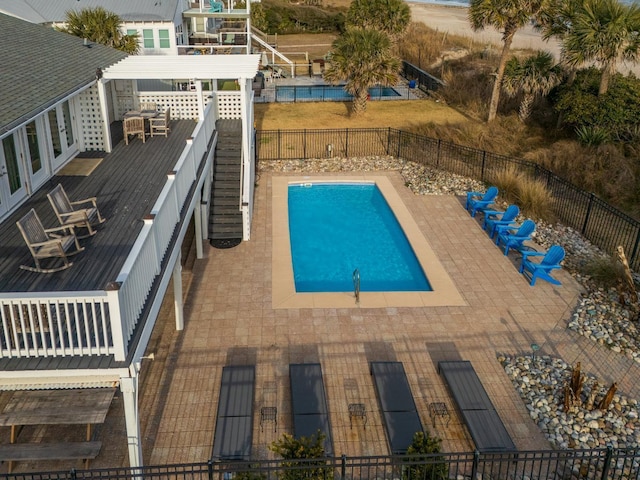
x=225, y=218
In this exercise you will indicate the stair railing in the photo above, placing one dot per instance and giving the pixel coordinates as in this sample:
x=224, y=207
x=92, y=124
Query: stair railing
x=356, y=284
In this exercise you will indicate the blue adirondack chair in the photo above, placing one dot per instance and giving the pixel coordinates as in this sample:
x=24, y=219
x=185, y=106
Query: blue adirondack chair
x=215, y=7
x=480, y=201
x=494, y=219
x=550, y=261
x=514, y=238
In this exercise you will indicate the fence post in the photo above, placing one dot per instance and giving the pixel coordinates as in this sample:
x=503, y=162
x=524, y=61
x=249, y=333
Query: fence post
x=607, y=462
x=210, y=469
x=304, y=143
x=484, y=158
x=632, y=257
x=279, y=141
x=399, y=143
x=346, y=144
x=438, y=154
x=588, y=214
x=343, y=467
x=388, y=139
x=474, y=467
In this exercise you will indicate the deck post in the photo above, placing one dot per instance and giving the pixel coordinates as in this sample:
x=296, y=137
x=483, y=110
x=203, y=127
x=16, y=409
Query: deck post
x=129, y=388
x=200, y=100
x=104, y=110
x=177, y=292
x=198, y=221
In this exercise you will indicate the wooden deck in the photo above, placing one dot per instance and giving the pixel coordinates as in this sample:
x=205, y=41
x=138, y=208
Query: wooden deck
x=126, y=184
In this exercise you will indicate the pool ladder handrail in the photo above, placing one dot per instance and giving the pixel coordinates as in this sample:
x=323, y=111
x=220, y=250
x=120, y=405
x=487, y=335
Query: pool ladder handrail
x=356, y=284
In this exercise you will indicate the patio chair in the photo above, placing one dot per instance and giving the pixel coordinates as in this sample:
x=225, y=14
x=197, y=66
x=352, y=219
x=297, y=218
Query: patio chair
x=148, y=107
x=133, y=126
x=550, y=261
x=215, y=7
x=160, y=124
x=515, y=237
x=494, y=219
x=81, y=213
x=59, y=242
x=478, y=201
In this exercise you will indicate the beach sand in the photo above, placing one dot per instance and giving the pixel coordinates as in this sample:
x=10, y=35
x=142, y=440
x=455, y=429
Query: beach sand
x=454, y=20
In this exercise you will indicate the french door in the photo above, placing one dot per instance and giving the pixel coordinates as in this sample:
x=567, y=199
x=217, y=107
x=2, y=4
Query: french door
x=61, y=134
x=12, y=176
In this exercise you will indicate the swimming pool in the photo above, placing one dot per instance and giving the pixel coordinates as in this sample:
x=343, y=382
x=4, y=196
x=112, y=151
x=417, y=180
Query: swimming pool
x=391, y=184
x=336, y=228
x=322, y=93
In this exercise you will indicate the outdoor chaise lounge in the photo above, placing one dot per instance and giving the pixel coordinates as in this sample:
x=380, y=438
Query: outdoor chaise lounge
x=478, y=201
x=515, y=236
x=81, y=213
x=47, y=243
x=494, y=219
x=401, y=419
x=542, y=269
x=234, y=423
x=479, y=415
x=309, y=403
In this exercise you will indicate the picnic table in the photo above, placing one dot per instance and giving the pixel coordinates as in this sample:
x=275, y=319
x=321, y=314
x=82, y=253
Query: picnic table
x=54, y=407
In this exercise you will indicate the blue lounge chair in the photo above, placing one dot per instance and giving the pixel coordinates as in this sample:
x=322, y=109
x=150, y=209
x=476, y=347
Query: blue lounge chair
x=478, y=201
x=550, y=261
x=494, y=219
x=215, y=7
x=514, y=238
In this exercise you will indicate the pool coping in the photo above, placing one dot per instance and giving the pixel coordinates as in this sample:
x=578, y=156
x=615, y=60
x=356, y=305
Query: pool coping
x=284, y=295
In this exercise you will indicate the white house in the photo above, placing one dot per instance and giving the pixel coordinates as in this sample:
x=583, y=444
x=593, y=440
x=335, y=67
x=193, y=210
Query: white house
x=88, y=326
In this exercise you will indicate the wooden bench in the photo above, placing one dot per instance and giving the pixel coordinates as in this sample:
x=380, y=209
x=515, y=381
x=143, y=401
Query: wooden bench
x=480, y=416
x=17, y=452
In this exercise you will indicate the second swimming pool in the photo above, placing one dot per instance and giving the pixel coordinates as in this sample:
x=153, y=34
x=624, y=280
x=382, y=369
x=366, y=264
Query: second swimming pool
x=335, y=228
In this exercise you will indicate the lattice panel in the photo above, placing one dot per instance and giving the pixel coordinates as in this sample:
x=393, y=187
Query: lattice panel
x=123, y=97
x=90, y=119
x=229, y=105
x=184, y=105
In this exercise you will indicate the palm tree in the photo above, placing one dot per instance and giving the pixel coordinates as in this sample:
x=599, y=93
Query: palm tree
x=100, y=26
x=605, y=32
x=362, y=57
x=533, y=76
x=389, y=16
x=507, y=16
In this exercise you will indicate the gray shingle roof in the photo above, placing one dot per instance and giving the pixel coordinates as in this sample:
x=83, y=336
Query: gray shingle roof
x=41, y=66
x=52, y=11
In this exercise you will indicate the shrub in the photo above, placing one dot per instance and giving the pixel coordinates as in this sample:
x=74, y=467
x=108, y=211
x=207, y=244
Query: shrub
x=421, y=464
x=303, y=457
x=530, y=195
x=604, y=270
x=534, y=199
x=508, y=182
x=592, y=136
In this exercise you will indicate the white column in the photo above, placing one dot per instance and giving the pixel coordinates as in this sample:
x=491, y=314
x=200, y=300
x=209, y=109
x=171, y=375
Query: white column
x=200, y=100
x=129, y=388
x=197, y=218
x=104, y=110
x=177, y=292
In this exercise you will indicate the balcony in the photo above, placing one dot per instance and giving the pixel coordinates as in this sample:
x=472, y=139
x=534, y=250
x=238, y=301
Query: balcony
x=96, y=309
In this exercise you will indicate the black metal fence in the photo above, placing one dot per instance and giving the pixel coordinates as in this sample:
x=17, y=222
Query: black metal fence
x=599, y=464
x=602, y=224
x=425, y=81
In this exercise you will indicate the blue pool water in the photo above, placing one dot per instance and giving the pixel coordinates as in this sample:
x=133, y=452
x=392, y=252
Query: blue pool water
x=326, y=92
x=336, y=228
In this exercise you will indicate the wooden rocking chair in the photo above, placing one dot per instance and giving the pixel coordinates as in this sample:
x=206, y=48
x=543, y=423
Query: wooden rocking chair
x=50, y=243
x=72, y=213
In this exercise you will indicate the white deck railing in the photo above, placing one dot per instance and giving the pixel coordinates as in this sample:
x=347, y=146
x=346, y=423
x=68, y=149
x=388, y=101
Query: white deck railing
x=101, y=323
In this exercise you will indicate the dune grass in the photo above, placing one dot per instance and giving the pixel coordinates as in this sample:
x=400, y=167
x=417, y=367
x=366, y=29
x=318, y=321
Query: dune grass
x=402, y=114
